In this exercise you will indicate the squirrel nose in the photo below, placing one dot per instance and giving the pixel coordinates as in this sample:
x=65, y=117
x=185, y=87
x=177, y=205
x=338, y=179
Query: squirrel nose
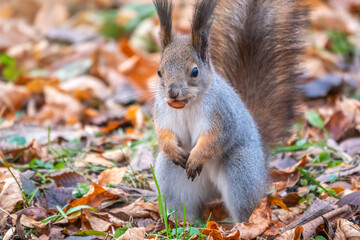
x=173, y=93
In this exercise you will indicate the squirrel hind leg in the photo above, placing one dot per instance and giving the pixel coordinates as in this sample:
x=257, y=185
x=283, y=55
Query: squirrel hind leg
x=242, y=182
x=178, y=189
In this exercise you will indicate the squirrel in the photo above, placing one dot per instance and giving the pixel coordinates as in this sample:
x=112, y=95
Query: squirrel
x=227, y=92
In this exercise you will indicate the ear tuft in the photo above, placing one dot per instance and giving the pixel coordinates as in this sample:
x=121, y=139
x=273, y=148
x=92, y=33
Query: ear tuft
x=201, y=25
x=164, y=11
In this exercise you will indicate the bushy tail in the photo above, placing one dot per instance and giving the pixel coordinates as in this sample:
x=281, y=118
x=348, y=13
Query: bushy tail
x=256, y=45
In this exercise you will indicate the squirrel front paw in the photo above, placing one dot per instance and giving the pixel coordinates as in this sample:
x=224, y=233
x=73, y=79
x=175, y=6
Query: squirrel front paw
x=193, y=168
x=179, y=156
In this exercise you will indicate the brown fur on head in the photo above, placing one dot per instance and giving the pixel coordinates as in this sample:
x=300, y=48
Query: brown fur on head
x=185, y=67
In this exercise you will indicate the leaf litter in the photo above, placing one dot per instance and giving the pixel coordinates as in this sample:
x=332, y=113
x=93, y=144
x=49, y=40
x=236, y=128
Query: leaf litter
x=77, y=82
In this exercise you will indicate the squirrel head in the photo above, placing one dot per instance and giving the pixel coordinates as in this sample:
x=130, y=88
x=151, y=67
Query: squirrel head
x=185, y=69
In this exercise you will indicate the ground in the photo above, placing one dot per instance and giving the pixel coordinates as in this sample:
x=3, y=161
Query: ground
x=77, y=143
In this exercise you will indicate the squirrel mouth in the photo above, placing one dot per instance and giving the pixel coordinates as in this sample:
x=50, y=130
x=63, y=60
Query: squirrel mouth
x=177, y=104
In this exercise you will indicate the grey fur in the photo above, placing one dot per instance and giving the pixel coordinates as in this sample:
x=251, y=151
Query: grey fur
x=237, y=172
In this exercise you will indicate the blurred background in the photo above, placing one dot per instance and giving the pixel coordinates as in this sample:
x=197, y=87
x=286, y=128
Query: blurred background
x=77, y=79
x=90, y=65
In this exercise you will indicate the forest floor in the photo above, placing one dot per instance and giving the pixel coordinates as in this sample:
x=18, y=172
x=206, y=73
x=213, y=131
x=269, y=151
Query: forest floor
x=77, y=141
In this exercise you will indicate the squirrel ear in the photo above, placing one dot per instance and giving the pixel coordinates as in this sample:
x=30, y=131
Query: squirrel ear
x=201, y=25
x=164, y=11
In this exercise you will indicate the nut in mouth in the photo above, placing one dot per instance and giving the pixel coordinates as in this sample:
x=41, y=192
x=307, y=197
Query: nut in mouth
x=177, y=104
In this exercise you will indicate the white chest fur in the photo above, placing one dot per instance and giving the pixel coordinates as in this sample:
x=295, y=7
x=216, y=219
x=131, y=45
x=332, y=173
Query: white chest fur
x=188, y=123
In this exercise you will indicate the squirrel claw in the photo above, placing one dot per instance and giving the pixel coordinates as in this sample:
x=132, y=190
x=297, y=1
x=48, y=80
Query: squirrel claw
x=191, y=173
x=181, y=159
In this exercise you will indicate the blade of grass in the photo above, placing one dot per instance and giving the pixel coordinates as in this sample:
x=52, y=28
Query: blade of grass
x=184, y=221
x=61, y=212
x=316, y=182
x=160, y=202
x=12, y=174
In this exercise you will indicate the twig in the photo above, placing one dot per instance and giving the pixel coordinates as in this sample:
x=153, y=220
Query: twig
x=310, y=227
x=7, y=213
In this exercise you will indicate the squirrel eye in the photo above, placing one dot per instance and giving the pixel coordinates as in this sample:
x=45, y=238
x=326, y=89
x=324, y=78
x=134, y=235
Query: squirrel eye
x=194, y=72
x=159, y=73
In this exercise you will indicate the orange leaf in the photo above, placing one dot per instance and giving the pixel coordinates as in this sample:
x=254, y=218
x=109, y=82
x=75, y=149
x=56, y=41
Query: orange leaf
x=277, y=201
x=298, y=231
x=91, y=113
x=126, y=48
x=338, y=189
x=36, y=85
x=112, y=125
x=94, y=198
x=134, y=114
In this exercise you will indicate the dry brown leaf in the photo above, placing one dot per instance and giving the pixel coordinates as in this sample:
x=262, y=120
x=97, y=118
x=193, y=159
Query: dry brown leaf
x=12, y=97
x=94, y=159
x=259, y=221
x=35, y=150
x=51, y=14
x=338, y=124
x=31, y=223
x=342, y=212
x=10, y=193
x=285, y=216
x=36, y=85
x=138, y=209
x=9, y=235
x=293, y=234
x=287, y=177
x=95, y=197
x=111, y=176
x=59, y=106
x=119, y=155
x=89, y=85
x=346, y=230
x=133, y=234
x=97, y=222
x=68, y=179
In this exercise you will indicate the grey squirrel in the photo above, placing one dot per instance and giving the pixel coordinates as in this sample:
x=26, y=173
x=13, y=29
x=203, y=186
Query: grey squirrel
x=227, y=91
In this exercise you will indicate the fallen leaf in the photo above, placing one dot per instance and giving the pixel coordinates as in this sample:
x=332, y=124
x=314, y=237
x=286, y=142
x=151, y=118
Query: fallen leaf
x=12, y=97
x=59, y=106
x=277, y=201
x=287, y=177
x=68, y=179
x=111, y=176
x=120, y=155
x=346, y=230
x=342, y=212
x=138, y=209
x=133, y=234
x=51, y=14
x=94, y=159
x=352, y=199
x=95, y=197
x=135, y=116
x=10, y=194
x=96, y=222
x=259, y=221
